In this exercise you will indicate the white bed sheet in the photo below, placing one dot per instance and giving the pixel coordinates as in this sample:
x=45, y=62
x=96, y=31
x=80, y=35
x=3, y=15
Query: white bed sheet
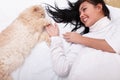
x=38, y=65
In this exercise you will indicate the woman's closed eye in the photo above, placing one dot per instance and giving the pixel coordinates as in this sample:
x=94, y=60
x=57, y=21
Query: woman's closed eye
x=84, y=9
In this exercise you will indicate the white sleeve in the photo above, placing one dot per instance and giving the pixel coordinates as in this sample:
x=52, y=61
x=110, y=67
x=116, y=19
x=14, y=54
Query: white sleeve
x=62, y=61
x=113, y=38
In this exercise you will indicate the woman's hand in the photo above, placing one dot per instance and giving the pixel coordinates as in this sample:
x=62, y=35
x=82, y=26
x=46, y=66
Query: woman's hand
x=72, y=37
x=52, y=30
x=99, y=44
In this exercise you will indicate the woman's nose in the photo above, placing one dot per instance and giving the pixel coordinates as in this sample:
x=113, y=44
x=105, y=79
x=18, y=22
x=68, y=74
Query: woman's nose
x=81, y=14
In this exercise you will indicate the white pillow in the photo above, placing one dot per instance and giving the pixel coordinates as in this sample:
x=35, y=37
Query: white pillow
x=114, y=13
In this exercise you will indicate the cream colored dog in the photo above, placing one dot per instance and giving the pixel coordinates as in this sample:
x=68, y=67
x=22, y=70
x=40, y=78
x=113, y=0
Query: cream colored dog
x=18, y=39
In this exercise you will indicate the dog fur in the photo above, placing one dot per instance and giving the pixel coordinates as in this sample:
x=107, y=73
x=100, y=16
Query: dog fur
x=18, y=39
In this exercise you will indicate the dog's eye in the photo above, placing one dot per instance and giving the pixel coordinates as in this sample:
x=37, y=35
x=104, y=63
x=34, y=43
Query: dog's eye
x=43, y=15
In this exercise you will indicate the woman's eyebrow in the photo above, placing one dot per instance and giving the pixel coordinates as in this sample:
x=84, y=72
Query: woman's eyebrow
x=82, y=7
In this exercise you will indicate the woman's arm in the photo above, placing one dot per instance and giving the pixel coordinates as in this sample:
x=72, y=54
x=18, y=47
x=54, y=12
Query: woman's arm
x=99, y=44
x=61, y=61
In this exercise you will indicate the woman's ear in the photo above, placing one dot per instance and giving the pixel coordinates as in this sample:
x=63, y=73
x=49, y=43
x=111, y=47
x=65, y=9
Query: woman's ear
x=99, y=7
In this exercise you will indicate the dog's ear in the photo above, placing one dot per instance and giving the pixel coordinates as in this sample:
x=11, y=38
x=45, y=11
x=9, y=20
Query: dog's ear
x=38, y=10
x=45, y=37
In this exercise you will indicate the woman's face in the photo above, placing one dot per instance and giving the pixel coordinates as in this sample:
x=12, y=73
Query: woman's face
x=90, y=13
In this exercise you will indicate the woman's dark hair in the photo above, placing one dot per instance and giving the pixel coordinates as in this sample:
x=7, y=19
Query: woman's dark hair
x=71, y=14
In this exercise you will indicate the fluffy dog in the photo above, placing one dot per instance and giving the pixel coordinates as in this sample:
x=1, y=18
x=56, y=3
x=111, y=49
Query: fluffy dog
x=18, y=39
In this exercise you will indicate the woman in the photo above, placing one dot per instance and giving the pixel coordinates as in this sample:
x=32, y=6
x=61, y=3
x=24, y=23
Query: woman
x=89, y=60
x=71, y=15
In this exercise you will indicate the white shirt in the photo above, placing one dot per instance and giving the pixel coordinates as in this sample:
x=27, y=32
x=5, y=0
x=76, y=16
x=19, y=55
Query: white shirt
x=70, y=64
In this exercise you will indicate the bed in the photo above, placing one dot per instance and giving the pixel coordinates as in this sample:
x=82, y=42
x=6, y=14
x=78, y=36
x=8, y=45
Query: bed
x=37, y=65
